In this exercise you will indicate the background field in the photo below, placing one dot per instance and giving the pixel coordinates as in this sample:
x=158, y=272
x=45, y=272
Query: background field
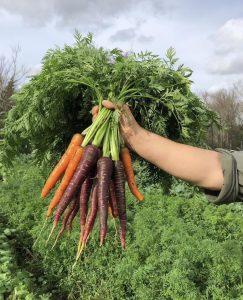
x=178, y=247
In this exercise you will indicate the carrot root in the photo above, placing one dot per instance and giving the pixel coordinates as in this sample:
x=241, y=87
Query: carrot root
x=104, y=171
x=52, y=230
x=128, y=168
x=44, y=224
x=62, y=164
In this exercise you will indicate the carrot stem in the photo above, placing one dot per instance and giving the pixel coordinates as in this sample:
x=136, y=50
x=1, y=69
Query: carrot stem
x=114, y=145
x=103, y=114
x=106, y=143
x=101, y=132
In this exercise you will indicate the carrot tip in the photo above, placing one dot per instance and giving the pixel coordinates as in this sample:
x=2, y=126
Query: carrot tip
x=49, y=213
x=54, y=244
x=44, y=224
x=123, y=244
x=58, y=236
x=80, y=241
x=74, y=265
x=114, y=221
x=80, y=251
x=102, y=242
x=69, y=229
x=52, y=230
x=79, y=247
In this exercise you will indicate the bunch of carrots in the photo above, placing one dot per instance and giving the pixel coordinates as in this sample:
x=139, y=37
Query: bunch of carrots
x=94, y=168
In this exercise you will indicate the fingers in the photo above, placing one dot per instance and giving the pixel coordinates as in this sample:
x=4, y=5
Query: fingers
x=125, y=108
x=94, y=112
x=94, y=117
x=127, y=120
x=108, y=104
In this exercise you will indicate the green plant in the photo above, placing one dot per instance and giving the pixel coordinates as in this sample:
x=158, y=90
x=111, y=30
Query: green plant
x=56, y=102
x=182, y=189
x=177, y=248
x=15, y=284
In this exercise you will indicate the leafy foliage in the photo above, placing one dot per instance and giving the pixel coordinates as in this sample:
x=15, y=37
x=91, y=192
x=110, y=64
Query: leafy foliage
x=177, y=248
x=182, y=188
x=14, y=282
x=56, y=102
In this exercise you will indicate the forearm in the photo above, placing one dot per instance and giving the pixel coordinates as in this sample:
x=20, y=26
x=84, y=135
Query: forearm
x=198, y=166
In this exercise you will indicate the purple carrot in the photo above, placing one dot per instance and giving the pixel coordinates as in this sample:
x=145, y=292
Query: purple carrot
x=65, y=220
x=104, y=171
x=83, y=201
x=112, y=200
x=73, y=213
x=90, y=157
x=119, y=182
x=90, y=219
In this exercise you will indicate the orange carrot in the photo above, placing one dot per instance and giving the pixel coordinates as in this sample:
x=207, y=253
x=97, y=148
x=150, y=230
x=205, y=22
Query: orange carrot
x=62, y=164
x=127, y=163
x=72, y=166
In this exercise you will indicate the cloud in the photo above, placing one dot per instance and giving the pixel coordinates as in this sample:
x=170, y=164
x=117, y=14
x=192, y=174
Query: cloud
x=90, y=14
x=228, y=47
x=228, y=65
x=231, y=31
x=145, y=38
x=229, y=37
x=126, y=35
x=123, y=35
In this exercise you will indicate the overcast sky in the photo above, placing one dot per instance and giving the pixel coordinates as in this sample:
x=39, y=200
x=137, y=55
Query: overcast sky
x=207, y=35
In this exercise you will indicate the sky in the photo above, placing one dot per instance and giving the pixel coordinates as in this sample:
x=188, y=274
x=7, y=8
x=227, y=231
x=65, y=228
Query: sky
x=207, y=35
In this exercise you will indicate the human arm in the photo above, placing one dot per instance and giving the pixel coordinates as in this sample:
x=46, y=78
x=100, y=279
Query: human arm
x=199, y=166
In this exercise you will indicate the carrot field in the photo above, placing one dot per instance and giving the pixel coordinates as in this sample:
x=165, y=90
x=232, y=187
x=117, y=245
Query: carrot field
x=178, y=247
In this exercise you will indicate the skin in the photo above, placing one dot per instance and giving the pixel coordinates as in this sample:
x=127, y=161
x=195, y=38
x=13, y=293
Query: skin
x=199, y=166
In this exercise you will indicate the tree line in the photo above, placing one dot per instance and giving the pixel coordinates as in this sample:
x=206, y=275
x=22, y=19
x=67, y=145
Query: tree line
x=11, y=75
x=228, y=103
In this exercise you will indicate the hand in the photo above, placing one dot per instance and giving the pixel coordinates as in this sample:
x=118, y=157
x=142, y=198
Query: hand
x=128, y=125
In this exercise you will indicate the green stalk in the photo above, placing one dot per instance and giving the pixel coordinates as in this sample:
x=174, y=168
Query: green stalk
x=118, y=145
x=86, y=130
x=114, y=144
x=102, y=116
x=106, y=143
x=89, y=83
x=101, y=132
x=127, y=92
